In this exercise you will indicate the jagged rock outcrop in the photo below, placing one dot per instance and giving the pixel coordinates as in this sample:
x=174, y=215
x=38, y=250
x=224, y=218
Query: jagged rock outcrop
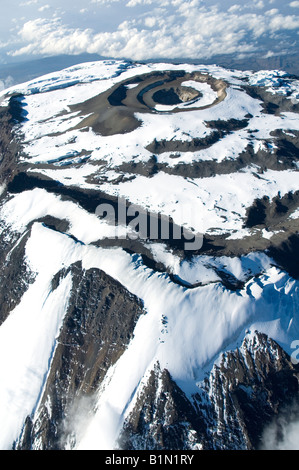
x=10, y=147
x=162, y=418
x=244, y=391
x=98, y=326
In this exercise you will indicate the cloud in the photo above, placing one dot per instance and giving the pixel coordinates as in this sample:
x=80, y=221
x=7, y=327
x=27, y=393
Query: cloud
x=234, y=8
x=44, y=7
x=282, y=433
x=29, y=2
x=51, y=37
x=259, y=4
x=134, y=3
x=272, y=12
x=150, y=21
x=294, y=4
x=6, y=83
x=104, y=2
x=170, y=29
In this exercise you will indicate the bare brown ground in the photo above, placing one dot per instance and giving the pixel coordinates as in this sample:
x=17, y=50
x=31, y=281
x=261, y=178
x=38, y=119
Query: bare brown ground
x=113, y=112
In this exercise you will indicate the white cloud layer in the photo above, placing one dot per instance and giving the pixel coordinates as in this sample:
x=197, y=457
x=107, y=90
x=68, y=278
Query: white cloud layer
x=168, y=29
x=6, y=83
x=282, y=434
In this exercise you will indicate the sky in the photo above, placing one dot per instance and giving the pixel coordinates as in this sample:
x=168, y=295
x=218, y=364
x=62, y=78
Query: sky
x=147, y=29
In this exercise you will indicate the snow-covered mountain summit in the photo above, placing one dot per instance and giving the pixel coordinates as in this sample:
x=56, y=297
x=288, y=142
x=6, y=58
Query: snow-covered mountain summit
x=149, y=257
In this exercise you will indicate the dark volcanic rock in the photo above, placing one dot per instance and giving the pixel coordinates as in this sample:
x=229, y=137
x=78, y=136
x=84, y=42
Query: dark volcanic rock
x=98, y=326
x=287, y=255
x=242, y=394
x=167, y=97
x=15, y=275
x=270, y=212
x=163, y=418
x=272, y=103
x=248, y=388
x=9, y=145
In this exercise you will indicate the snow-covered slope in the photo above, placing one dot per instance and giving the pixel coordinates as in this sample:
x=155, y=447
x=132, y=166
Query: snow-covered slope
x=94, y=315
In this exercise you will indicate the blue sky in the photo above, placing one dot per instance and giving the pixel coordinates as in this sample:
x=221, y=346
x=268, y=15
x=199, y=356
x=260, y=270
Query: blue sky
x=147, y=29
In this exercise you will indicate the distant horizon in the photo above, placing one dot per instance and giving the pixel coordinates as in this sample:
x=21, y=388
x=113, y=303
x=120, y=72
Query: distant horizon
x=21, y=71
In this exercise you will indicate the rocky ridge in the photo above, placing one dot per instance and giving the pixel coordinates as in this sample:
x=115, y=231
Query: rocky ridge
x=239, y=397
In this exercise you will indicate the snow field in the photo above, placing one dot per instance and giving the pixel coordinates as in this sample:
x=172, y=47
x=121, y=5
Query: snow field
x=200, y=323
